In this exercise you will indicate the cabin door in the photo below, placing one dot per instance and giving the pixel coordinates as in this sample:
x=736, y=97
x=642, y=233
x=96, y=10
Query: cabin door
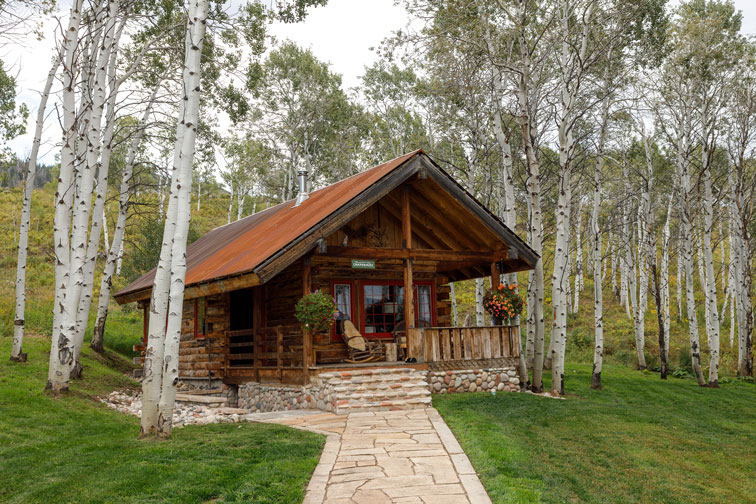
x=241, y=328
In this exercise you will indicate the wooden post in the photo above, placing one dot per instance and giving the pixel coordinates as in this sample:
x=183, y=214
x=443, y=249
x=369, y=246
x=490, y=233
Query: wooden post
x=306, y=333
x=257, y=316
x=495, y=276
x=307, y=276
x=279, y=351
x=409, y=290
x=306, y=353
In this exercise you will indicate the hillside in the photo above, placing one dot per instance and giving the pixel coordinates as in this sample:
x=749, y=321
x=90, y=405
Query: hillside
x=124, y=325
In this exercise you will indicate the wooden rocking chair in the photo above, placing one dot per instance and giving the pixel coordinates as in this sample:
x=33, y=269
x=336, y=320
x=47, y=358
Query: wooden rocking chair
x=400, y=336
x=360, y=349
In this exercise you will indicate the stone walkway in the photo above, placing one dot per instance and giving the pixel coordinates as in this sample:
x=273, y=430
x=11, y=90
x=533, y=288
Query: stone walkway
x=408, y=457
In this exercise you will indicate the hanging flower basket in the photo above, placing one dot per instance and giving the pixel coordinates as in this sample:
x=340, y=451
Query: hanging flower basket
x=503, y=303
x=316, y=312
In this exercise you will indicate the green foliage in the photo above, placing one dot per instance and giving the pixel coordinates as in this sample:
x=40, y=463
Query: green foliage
x=75, y=449
x=145, y=242
x=639, y=439
x=12, y=119
x=315, y=311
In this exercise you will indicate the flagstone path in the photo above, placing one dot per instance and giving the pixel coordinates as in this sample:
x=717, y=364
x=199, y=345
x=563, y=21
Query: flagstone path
x=408, y=457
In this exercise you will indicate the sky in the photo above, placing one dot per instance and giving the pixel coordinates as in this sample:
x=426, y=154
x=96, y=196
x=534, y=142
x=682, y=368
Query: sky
x=342, y=33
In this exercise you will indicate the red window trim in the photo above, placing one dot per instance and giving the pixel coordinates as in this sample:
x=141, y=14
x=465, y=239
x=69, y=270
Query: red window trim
x=399, y=284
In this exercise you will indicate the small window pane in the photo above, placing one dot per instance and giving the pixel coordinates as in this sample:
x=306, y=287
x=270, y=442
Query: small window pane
x=343, y=295
x=424, y=303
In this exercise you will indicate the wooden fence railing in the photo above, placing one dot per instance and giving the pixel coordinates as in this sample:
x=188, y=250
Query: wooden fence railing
x=438, y=344
x=264, y=349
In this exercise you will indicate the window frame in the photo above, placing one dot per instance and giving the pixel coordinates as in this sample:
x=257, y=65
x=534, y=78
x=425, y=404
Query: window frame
x=397, y=283
x=352, y=301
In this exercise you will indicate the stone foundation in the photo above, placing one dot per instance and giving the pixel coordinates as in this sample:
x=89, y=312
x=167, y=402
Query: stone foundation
x=382, y=389
x=260, y=398
x=474, y=380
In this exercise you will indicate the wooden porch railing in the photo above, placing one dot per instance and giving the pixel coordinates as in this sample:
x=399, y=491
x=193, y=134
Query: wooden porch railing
x=438, y=344
x=264, y=348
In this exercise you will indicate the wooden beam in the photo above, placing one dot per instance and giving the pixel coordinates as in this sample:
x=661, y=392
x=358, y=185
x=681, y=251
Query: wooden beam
x=409, y=295
x=482, y=257
x=406, y=219
x=430, y=222
x=491, y=221
x=199, y=290
x=422, y=231
x=307, y=277
x=495, y=275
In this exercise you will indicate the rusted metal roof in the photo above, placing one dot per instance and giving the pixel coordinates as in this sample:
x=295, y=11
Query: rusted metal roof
x=241, y=246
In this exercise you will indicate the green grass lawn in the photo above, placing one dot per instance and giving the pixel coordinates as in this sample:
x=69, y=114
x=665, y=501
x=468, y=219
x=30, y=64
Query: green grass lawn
x=74, y=449
x=637, y=440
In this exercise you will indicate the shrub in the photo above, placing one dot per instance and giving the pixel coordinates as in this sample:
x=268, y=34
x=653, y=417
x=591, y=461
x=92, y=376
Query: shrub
x=315, y=311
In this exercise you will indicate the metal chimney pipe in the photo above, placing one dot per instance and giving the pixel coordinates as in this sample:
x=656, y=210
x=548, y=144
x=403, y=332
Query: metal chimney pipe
x=302, y=195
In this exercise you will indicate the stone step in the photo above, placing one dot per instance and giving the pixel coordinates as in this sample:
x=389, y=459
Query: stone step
x=202, y=399
x=404, y=404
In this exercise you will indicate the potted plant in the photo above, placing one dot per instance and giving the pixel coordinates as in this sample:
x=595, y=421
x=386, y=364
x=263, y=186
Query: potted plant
x=503, y=303
x=315, y=312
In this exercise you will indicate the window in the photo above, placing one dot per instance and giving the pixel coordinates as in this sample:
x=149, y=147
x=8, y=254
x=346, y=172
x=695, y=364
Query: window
x=200, y=323
x=423, y=304
x=342, y=293
x=383, y=306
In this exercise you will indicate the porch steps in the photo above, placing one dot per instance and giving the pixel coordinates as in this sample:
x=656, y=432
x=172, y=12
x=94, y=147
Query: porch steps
x=378, y=389
x=211, y=401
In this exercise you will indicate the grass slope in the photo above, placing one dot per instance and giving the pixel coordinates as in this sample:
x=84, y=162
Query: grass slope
x=74, y=449
x=637, y=440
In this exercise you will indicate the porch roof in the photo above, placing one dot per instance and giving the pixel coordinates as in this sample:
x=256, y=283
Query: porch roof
x=259, y=246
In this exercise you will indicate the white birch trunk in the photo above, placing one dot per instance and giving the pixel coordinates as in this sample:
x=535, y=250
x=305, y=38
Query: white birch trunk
x=479, y=311
x=240, y=197
x=116, y=248
x=578, y=258
x=598, y=300
x=644, y=219
x=687, y=247
x=105, y=233
x=535, y=222
x=61, y=351
x=679, y=271
x=17, y=353
x=192, y=68
x=230, y=204
x=455, y=313
x=712, y=320
x=665, y=278
x=106, y=67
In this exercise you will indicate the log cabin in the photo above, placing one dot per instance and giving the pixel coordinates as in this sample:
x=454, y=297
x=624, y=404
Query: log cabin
x=385, y=243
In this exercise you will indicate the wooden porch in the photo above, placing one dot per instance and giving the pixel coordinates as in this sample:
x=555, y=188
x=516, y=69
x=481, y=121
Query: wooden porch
x=282, y=354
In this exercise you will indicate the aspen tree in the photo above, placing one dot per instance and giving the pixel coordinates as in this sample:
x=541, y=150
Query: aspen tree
x=17, y=353
x=61, y=351
x=168, y=290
